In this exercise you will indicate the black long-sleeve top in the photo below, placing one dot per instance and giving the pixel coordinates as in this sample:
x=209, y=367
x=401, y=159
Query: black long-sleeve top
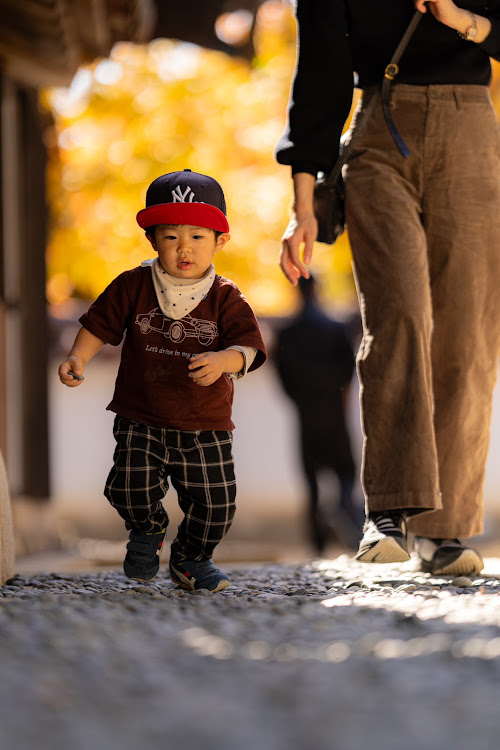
x=340, y=38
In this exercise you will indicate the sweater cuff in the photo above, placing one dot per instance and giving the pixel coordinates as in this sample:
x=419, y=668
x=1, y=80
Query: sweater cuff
x=249, y=354
x=306, y=166
x=491, y=44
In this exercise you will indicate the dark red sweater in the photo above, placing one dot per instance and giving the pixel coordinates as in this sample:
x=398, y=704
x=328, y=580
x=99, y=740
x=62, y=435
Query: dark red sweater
x=153, y=385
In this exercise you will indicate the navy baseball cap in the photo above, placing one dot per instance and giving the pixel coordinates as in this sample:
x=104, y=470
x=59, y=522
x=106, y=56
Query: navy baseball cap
x=185, y=198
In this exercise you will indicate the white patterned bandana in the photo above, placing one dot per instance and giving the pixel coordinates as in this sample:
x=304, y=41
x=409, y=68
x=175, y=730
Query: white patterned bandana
x=178, y=297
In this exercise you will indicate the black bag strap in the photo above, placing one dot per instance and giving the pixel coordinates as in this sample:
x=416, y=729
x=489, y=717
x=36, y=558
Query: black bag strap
x=390, y=74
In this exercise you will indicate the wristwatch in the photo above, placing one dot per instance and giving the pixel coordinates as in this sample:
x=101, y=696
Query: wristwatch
x=471, y=30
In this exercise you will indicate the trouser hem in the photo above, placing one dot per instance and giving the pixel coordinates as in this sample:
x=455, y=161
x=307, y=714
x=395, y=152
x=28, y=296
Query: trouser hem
x=415, y=502
x=427, y=527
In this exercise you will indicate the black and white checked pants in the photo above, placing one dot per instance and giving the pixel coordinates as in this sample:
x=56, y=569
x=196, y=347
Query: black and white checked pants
x=201, y=469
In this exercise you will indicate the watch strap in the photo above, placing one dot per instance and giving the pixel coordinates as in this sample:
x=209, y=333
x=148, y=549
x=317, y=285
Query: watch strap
x=471, y=30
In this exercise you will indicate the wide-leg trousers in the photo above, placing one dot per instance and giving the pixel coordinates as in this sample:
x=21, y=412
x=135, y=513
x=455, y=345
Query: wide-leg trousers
x=425, y=238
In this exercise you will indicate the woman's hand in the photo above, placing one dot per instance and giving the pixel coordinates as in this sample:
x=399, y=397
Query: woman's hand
x=445, y=11
x=301, y=231
x=449, y=14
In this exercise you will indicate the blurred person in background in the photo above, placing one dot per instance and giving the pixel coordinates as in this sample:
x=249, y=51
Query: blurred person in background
x=314, y=359
x=425, y=238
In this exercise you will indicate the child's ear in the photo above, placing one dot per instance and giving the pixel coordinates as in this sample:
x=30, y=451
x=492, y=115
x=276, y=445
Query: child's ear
x=222, y=240
x=153, y=241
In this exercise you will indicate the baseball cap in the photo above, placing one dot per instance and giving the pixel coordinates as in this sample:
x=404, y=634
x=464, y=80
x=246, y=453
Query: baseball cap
x=185, y=198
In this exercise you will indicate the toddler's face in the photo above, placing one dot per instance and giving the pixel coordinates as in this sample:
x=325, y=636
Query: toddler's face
x=186, y=252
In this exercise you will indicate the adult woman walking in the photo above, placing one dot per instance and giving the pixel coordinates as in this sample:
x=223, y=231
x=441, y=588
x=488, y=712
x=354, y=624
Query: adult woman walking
x=425, y=238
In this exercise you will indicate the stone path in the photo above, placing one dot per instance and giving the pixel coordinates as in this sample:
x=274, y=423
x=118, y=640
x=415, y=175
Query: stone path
x=333, y=655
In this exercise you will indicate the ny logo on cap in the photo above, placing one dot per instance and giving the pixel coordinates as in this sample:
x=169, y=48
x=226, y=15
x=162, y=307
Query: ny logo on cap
x=182, y=197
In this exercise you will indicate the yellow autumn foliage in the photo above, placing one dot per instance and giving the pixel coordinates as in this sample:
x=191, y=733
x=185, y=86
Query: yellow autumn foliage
x=166, y=106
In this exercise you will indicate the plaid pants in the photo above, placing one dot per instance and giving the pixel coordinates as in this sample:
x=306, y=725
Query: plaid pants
x=201, y=468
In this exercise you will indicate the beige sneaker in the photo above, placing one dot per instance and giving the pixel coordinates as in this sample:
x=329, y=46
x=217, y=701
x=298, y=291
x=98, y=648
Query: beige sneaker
x=384, y=538
x=447, y=557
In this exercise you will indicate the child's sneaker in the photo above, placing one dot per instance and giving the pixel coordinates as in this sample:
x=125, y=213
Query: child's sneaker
x=142, y=560
x=192, y=574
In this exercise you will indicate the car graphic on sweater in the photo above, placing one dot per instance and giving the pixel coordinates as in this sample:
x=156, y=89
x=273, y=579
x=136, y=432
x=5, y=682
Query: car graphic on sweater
x=205, y=331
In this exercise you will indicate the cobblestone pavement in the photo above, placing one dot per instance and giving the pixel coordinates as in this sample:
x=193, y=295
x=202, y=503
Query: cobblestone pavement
x=331, y=655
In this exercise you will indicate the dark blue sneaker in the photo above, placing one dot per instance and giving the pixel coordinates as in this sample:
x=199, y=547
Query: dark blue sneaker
x=192, y=574
x=142, y=560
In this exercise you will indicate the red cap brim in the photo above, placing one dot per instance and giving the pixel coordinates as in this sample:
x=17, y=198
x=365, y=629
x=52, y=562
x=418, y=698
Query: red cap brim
x=195, y=214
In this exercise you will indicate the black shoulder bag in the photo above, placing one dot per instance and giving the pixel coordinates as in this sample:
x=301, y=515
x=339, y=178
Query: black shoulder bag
x=328, y=201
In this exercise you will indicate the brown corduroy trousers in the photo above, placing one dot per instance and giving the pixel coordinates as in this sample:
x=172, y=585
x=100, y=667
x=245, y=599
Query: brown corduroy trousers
x=425, y=238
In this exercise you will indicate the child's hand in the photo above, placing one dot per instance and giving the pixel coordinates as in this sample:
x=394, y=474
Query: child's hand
x=207, y=368
x=72, y=364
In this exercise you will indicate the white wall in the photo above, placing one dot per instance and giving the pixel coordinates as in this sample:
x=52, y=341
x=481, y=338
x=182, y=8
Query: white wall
x=269, y=479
